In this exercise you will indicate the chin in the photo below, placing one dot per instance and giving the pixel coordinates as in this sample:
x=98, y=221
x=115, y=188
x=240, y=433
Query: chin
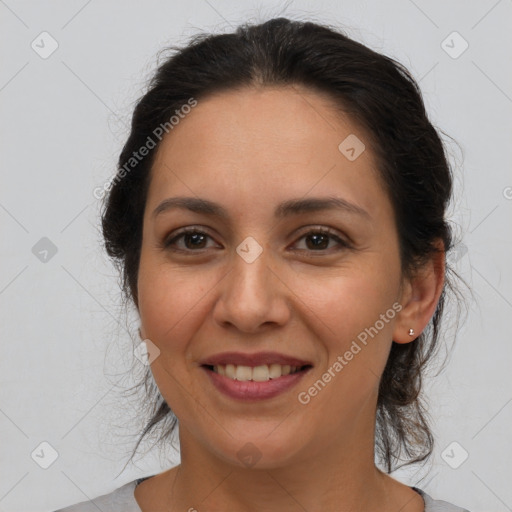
x=258, y=451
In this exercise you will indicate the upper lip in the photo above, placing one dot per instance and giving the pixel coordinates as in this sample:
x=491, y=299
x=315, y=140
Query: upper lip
x=256, y=359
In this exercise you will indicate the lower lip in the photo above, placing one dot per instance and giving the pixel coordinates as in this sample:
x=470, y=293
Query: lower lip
x=251, y=390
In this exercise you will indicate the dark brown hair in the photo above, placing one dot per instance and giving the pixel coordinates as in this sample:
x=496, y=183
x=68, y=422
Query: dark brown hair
x=376, y=92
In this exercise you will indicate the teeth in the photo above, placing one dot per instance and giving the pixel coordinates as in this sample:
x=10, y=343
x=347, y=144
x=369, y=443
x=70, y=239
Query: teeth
x=230, y=371
x=258, y=373
x=274, y=371
x=243, y=373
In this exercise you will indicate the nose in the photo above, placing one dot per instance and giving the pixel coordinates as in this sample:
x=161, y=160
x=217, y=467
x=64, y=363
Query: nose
x=252, y=296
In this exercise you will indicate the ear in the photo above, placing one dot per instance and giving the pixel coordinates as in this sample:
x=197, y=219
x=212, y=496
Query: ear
x=420, y=296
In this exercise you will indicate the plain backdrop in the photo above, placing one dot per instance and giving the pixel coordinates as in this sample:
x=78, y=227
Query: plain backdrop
x=66, y=345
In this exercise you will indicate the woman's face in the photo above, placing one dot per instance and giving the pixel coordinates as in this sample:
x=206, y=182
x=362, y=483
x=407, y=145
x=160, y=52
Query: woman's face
x=259, y=284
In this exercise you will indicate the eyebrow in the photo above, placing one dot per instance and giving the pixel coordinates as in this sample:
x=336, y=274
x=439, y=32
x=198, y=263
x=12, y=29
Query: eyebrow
x=284, y=209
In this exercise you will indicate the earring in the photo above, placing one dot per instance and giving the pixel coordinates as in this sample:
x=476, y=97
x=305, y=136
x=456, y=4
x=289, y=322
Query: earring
x=411, y=332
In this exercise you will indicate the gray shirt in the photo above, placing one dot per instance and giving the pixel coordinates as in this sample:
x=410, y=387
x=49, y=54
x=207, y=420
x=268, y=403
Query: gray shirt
x=123, y=500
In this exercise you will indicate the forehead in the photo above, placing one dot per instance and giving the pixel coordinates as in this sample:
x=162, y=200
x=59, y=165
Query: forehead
x=266, y=144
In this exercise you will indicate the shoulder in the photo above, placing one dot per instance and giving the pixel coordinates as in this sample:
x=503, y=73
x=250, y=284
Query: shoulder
x=121, y=498
x=432, y=505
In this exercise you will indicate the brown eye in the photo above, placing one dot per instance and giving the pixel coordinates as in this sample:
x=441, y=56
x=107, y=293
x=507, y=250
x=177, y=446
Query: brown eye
x=192, y=239
x=318, y=240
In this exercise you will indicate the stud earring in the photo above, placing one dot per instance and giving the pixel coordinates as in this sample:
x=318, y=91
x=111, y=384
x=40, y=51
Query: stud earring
x=411, y=332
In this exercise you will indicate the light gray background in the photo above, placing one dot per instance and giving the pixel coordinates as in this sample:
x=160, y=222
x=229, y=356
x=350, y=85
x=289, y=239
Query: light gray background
x=66, y=355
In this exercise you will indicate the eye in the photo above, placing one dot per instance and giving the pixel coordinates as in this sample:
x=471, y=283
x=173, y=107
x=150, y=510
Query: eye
x=192, y=238
x=318, y=239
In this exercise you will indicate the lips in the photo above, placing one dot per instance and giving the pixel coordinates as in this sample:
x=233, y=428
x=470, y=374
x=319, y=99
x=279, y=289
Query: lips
x=253, y=377
x=252, y=360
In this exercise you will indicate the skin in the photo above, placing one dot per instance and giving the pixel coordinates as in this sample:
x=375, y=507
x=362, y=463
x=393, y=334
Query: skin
x=248, y=150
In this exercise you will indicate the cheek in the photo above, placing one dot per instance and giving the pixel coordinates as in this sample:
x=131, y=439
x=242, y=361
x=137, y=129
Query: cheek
x=348, y=299
x=352, y=310
x=169, y=301
x=171, y=308
x=357, y=342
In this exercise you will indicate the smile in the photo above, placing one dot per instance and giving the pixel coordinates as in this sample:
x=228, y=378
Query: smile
x=261, y=373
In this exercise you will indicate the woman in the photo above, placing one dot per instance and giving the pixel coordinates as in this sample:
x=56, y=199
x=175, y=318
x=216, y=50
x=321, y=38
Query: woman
x=279, y=219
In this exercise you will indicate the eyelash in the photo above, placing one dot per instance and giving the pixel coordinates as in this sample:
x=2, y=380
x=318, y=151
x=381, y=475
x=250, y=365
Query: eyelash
x=167, y=244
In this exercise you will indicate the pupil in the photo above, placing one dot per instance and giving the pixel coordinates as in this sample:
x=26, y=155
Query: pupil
x=196, y=237
x=318, y=242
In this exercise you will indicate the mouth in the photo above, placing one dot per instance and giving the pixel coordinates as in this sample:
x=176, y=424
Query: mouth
x=258, y=367
x=261, y=373
x=254, y=376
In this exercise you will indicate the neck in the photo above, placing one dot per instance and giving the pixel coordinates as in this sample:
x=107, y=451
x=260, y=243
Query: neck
x=341, y=477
